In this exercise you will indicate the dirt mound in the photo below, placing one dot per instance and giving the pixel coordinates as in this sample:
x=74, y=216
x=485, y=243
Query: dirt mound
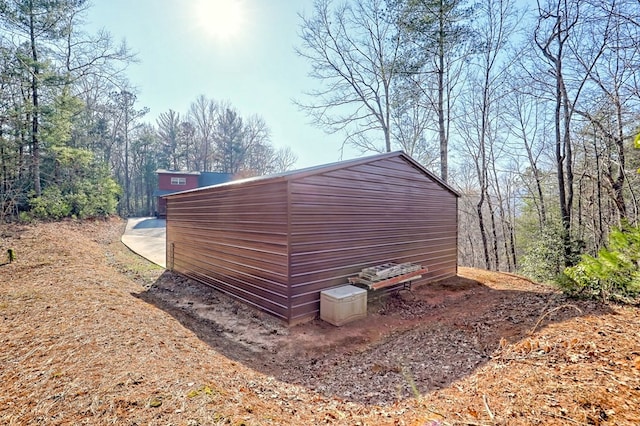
x=93, y=334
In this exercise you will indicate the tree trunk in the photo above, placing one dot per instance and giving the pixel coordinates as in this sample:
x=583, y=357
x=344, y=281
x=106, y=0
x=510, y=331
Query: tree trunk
x=35, y=142
x=600, y=224
x=536, y=176
x=560, y=159
x=444, y=166
x=483, y=232
x=494, y=234
x=127, y=183
x=618, y=185
x=512, y=238
x=568, y=165
x=507, y=252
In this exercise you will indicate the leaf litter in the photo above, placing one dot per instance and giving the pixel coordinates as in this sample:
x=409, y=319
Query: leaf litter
x=93, y=334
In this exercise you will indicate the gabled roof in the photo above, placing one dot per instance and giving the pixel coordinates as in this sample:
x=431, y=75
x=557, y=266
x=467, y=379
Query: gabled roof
x=324, y=168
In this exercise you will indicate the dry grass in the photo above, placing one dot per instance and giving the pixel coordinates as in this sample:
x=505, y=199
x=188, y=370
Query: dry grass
x=78, y=347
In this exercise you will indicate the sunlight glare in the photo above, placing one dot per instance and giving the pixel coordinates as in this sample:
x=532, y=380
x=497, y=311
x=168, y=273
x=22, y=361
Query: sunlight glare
x=220, y=19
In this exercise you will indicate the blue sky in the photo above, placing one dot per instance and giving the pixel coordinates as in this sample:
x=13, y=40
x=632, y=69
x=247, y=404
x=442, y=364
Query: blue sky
x=256, y=68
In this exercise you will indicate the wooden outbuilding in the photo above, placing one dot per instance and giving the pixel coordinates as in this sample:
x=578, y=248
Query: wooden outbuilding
x=276, y=241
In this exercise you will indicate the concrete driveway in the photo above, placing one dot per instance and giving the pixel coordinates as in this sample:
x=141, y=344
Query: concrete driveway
x=147, y=237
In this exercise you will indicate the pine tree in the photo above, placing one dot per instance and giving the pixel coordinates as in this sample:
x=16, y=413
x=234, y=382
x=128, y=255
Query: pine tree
x=614, y=274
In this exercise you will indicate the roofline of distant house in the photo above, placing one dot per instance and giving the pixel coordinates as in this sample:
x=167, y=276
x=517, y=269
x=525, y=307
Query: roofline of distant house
x=181, y=172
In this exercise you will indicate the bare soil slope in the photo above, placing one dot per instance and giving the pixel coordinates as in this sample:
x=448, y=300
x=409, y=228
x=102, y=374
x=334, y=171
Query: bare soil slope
x=92, y=334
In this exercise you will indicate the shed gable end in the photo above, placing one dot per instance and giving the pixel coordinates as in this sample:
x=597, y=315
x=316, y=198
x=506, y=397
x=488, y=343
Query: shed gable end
x=349, y=218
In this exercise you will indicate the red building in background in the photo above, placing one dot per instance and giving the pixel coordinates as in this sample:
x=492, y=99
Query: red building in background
x=172, y=181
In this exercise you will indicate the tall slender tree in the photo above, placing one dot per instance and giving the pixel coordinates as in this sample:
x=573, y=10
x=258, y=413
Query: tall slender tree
x=353, y=50
x=126, y=119
x=169, y=134
x=202, y=113
x=229, y=138
x=435, y=34
x=37, y=24
x=560, y=25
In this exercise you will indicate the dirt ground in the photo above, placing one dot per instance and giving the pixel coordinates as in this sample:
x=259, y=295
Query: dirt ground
x=92, y=334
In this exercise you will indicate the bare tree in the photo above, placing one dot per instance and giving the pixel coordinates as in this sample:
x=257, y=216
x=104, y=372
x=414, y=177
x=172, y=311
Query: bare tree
x=526, y=120
x=284, y=160
x=613, y=101
x=559, y=26
x=203, y=114
x=186, y=144
x=434, y=35
x=354, y=51
x=229, y=139
x=412, y=119
x=169, y=135
x=126, y=119
x=257, y=153
x=482, y=126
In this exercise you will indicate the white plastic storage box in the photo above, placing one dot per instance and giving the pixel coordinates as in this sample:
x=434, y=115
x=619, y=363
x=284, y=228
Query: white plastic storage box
x=344, y=304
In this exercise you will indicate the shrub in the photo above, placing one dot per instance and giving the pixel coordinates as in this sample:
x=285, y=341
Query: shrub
x=52, y=204
x=543, y=255
x=614, y=274
x=92, y=193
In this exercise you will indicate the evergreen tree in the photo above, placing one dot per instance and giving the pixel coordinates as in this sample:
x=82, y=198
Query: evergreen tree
x=614, y=274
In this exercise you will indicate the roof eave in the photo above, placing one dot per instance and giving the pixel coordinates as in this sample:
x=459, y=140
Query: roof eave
x=372, y=158
x=426, y=171
x=310, y=171
x=176, y=172
x=258, y=179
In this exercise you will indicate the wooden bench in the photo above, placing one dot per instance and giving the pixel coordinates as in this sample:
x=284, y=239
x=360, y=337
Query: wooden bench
x=388, y=275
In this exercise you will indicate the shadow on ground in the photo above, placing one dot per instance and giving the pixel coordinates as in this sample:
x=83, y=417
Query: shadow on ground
x=427, y=338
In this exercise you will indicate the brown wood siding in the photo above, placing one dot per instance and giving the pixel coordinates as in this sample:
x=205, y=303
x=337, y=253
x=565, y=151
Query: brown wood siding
x=234, y=239
x=359, y=216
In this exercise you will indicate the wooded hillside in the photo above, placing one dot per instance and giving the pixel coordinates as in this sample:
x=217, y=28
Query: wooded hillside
x=528, y=108
x=74, y=141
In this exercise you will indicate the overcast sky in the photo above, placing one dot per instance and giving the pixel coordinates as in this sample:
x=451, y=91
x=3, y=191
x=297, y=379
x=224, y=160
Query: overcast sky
x=236, y=50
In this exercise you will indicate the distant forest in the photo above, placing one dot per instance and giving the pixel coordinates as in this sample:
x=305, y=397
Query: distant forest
x=74, y=142
x=528, y=109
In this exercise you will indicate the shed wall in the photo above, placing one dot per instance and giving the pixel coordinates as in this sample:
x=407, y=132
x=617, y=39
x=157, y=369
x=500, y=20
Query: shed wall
x=347, y=219
x=234, y=239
